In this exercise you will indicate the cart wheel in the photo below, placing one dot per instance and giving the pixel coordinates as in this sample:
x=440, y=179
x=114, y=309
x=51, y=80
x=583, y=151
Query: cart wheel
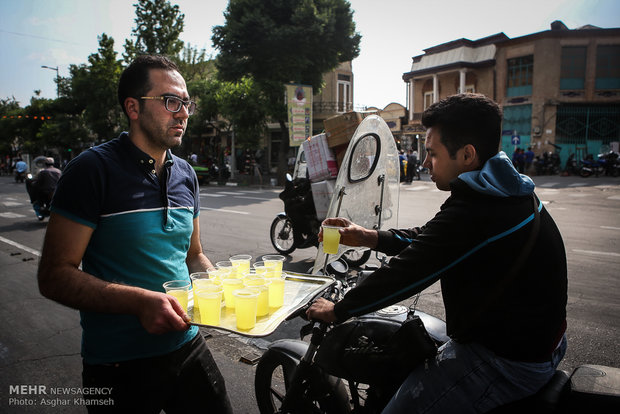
x=356, y=258
x=281, y=235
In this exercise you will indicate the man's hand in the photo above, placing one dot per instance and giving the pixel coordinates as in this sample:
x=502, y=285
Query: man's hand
x=161, y=313
x=352, y=234
x=321, y=309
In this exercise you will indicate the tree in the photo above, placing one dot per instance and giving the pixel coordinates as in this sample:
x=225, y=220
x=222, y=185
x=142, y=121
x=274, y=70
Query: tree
x=157, y=31
x=9, y=113
x=194, y=64
x=93, y=89
x=281, y=41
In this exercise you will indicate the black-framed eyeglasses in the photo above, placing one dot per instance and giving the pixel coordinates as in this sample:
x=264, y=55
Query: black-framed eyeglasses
x=174, y=104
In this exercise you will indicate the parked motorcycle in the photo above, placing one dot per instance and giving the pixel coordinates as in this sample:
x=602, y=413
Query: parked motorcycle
x=547, y=164
x=365, y=191
x=572, y=165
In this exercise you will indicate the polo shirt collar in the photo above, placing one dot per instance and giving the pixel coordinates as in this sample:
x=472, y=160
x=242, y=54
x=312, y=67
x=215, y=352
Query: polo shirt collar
x=145, y=161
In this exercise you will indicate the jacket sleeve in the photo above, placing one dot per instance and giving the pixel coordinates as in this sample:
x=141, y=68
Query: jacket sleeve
x=437, y=247
x=393, y=241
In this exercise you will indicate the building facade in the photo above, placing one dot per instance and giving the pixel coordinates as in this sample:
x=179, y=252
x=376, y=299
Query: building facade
x=559, y=89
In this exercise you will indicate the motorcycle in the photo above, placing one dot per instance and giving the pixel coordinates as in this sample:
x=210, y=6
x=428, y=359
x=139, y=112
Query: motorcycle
x=606, y=164
x=572, y=166
x=368, y=179
x=40, y=204
x=295, y=376
x=41, y=199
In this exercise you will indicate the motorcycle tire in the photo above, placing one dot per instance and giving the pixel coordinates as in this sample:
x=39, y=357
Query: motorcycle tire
x=281, y=235
x=274, y=373
x=585, y=173
x=356, y=258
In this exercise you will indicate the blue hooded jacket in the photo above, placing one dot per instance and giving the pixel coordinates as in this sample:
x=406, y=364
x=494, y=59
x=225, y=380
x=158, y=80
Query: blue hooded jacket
x=468, y=246
x=499, y=178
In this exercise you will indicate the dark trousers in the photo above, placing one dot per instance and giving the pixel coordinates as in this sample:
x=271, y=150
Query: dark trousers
x=184, y=381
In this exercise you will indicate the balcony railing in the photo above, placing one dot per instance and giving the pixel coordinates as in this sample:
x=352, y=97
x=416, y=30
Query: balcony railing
x=331, y=107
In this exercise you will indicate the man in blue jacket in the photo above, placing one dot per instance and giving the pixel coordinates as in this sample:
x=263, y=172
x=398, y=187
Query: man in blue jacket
x=507, y=333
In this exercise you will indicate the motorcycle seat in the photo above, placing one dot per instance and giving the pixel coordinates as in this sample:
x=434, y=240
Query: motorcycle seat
x=546, y=400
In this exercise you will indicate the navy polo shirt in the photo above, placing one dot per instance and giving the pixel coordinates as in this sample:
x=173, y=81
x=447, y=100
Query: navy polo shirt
x=142, y=229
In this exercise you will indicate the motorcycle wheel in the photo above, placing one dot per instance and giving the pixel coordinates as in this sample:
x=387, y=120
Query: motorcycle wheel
x=281, y=235
x=356, y=258
x=585, y=173
x=274, y=374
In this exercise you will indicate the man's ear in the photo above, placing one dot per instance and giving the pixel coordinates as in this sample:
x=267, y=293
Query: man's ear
x=132, y=107
x=470, y=156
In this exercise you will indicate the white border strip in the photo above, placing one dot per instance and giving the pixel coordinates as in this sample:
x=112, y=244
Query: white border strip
x=20, y=246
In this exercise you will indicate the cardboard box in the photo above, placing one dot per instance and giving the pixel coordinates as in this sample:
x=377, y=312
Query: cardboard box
x=339, y=153
x=322, y=192
x=340, y=128
x=320, y=159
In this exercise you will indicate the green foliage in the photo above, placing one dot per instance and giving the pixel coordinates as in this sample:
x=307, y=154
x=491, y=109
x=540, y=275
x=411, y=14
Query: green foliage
x=275, y=42
x=230, y=105
x=194, y=64
x=157, y=30
x=285, y=40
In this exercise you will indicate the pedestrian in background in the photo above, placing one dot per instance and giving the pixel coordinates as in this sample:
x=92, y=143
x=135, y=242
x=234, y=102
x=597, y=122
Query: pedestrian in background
x=412, y=165
x=127, y=211
x=529, y=159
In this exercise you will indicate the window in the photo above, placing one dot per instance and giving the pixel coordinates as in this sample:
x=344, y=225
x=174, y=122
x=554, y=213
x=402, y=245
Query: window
x=580, y=124
x=428, y=99
x=608, y=67
x=520, y=74
x=573, y=69
x=343, y=100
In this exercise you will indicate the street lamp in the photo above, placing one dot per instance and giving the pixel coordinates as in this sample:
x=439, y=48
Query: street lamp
x=57, y=79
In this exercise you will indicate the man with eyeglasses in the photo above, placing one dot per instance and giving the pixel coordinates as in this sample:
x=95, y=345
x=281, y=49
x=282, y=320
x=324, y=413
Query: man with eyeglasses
x=127, y=211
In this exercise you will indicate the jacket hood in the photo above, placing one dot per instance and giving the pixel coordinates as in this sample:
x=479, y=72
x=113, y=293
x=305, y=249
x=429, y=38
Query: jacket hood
x=499, y=178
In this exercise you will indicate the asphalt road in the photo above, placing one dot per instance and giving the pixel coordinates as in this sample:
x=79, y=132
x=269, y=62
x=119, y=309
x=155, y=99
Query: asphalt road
x=40, y=340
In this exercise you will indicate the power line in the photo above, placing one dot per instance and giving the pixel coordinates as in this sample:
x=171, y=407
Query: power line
x=43, y=38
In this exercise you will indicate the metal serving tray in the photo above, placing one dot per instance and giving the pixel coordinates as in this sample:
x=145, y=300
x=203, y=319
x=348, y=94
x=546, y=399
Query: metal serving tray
x=299, y=289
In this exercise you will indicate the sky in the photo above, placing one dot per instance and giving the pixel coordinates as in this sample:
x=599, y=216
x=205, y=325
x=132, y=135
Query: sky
x=58, y=33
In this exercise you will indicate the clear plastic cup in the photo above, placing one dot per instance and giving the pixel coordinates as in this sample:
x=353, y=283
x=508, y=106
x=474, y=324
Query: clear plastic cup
x=226, y=264
x=219, y=274
x=261, y=269
x=180, y=290
x=276, y=292
x=209, y=300
x=252, y=279
x=241, y=263
x=246, y=304
x=274, y=262
x=229, y=286
x=262, y=307
x=198, y=277
x=331, y=239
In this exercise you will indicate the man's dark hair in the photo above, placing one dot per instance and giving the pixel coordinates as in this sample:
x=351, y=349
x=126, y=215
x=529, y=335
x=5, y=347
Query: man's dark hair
x=135, y=80
x=468, y=118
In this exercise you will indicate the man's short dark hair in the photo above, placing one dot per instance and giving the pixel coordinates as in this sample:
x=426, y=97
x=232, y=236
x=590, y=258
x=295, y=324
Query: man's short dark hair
x=468, y=118
x=135, y=81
